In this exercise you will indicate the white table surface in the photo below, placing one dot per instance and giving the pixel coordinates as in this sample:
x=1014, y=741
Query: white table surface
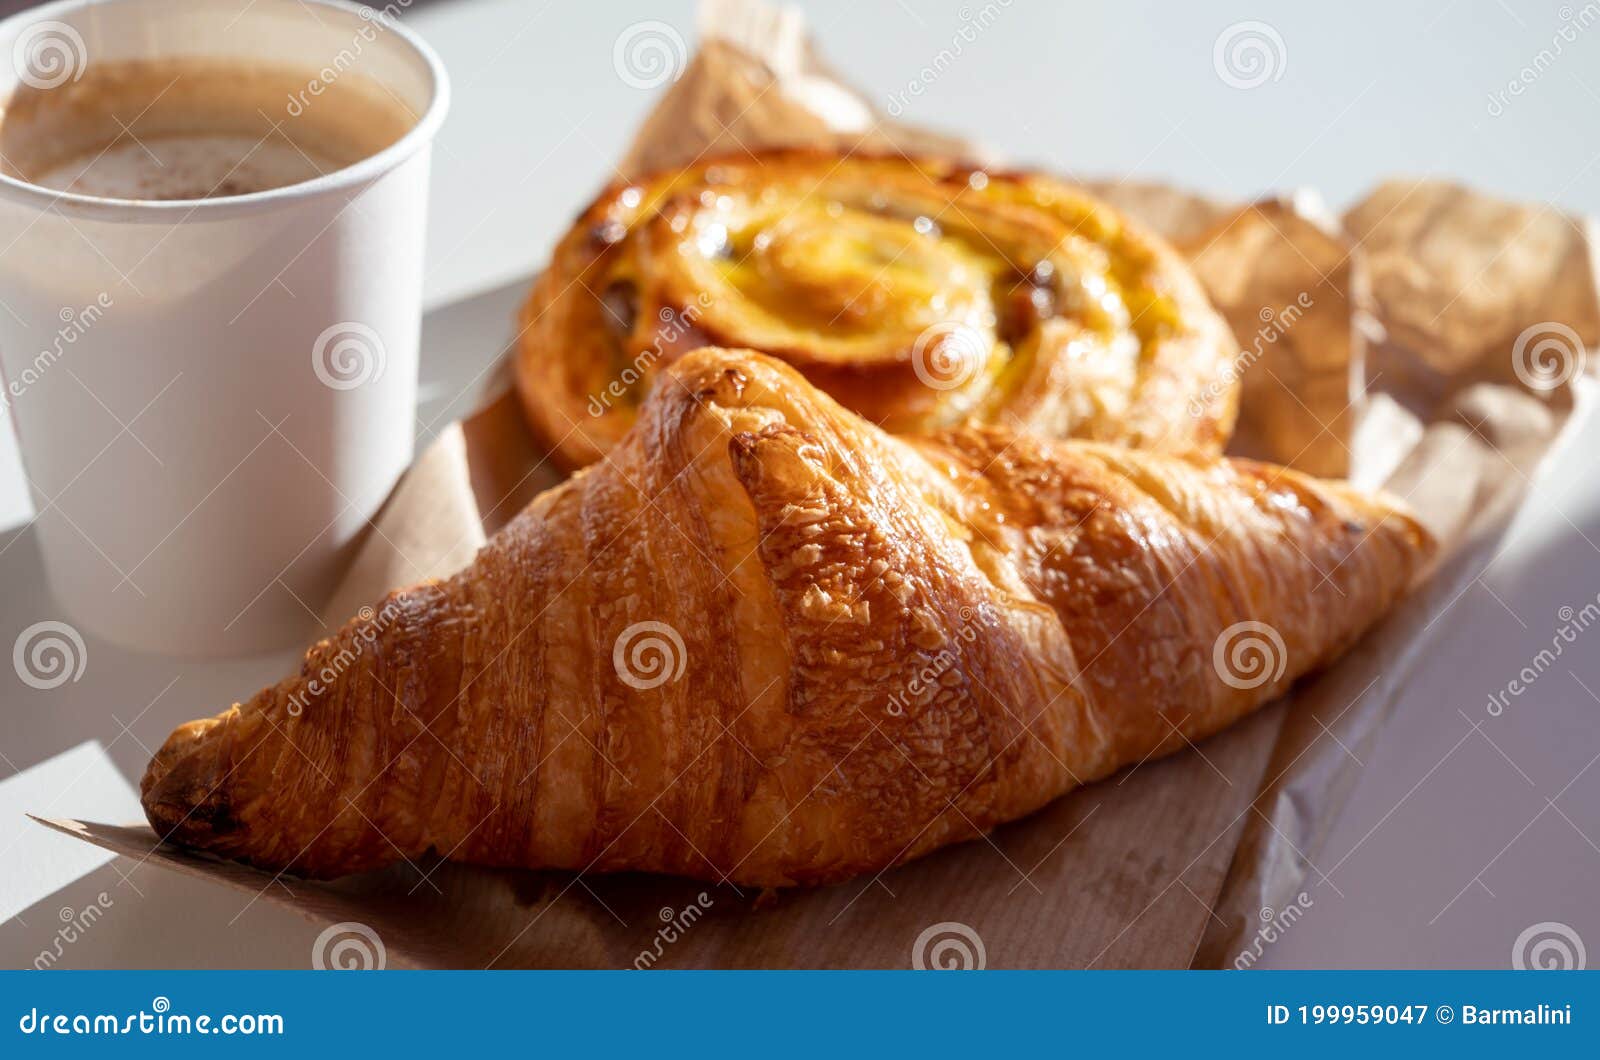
x=1465, y=829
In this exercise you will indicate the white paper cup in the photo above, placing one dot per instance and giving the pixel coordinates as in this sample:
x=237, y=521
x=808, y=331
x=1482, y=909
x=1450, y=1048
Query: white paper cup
x=213, y=397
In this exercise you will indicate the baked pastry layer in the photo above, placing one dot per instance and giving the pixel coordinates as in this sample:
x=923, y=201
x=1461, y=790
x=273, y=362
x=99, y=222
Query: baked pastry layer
x=764, y=641
x=918, y=293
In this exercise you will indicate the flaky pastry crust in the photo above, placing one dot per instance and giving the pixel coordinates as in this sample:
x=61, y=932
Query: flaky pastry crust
x=918, y=293
x=767, y=642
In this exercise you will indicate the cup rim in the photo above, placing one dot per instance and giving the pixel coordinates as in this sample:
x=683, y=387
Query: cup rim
x=164, y=210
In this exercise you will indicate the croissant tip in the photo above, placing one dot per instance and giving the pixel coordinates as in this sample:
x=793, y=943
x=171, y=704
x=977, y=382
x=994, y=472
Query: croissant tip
x=184, y=795
x=1395, y=514
x=727, y=378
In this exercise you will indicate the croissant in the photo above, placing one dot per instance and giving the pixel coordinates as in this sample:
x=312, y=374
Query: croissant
x=769, y=643
x=918, y=293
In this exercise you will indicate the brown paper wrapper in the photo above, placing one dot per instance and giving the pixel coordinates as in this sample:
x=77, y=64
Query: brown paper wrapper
x=1431, y=341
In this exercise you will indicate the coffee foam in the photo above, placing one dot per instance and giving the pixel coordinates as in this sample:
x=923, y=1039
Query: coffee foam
x=191, y=129
x=185, y=167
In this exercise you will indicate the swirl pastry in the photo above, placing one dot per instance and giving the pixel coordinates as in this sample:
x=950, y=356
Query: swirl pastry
x=767, y=642
x=919, y=294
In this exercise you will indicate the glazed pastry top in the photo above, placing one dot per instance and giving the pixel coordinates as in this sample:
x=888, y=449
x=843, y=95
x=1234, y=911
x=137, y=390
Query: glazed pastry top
x=919, y=293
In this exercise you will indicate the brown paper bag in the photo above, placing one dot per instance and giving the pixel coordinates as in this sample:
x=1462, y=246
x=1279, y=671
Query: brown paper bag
x=1432, y=340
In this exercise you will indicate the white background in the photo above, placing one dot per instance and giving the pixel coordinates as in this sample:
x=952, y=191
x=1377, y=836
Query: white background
x=1465, y=828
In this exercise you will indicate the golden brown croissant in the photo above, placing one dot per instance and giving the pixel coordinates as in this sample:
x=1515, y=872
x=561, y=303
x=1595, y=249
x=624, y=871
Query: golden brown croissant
x=768, y=642
x=918, y=293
